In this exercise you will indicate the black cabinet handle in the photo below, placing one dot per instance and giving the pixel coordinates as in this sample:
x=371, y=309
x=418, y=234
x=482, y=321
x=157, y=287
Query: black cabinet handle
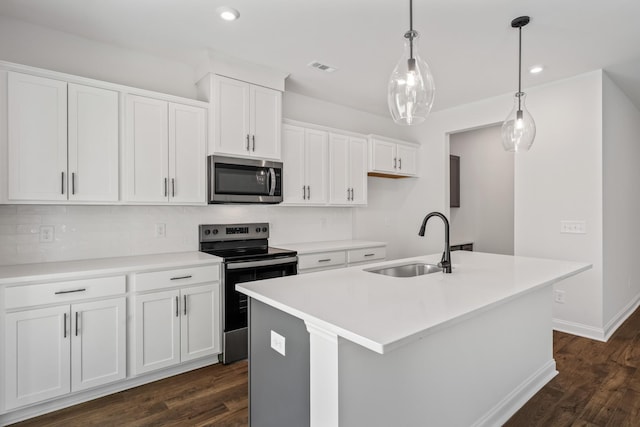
x=185, y=304
x=77, y=312
x=308, y=192
x=304, y=192
x=165, y=188
x=173, y=187
x=70, y=292
x=400, y=164
x=177, y=307
x=395, y=163
x=253, y=137
x=73, y=183
x=324, y=260
x=369, y=254
x=62, y=184
x=64, y=325
x=247, y=142
x=181, y=277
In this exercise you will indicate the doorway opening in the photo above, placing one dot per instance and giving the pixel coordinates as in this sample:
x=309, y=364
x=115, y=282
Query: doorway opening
x=484, y=215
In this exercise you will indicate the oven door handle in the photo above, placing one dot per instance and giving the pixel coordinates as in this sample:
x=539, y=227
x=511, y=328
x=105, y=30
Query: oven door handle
x=272, y=181
x=261, y=263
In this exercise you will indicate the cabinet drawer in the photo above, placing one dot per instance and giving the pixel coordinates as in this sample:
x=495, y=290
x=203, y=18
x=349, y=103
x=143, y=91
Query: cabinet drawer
x=321, y=260
x=72, y=290
x=366, y=254
x=170, y=278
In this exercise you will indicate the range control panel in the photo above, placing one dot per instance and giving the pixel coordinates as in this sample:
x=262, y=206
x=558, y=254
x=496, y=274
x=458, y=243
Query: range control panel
x=220, y=232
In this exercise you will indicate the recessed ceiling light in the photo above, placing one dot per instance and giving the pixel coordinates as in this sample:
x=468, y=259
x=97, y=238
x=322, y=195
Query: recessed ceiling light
x=228, y=13
x=536, y=69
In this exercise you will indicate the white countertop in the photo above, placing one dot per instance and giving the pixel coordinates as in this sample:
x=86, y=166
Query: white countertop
x=22, y=273
x=382, y=313
x=331, y=245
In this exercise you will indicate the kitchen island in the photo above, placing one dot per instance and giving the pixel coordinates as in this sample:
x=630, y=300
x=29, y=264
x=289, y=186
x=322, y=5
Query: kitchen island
x=350, y=347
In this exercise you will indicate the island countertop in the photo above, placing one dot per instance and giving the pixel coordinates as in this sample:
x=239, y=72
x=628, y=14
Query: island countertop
x=382, y=313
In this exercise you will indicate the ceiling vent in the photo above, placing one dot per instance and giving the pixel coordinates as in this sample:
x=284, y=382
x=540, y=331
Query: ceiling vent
x=322, y=67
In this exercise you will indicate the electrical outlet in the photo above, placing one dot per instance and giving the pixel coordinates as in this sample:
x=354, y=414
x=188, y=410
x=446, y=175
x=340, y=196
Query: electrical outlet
x=47, y=233
x=573, y=227
x=278, y=342
x=161, y=230
x=559, y=296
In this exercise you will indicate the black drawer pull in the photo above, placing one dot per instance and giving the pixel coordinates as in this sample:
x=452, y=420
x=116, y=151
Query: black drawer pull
x=369, y=254
x=182, y=277
x=324, y=260
x=70, y=292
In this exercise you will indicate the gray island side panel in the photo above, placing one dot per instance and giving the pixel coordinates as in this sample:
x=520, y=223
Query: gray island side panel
x=278, y=385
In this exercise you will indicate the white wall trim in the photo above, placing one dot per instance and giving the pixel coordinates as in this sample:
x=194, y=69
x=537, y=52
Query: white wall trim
x=508, y=406
x=579, y=329
x=324, y=384
x=70, y=78
x=612, y=325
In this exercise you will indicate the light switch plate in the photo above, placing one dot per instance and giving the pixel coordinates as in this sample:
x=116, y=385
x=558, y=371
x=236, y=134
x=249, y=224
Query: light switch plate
x=46, y=233
x=573, y=227
x=278, y=342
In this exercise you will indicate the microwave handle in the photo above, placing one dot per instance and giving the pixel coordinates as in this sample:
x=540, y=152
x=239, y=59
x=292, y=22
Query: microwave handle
x=272, y=181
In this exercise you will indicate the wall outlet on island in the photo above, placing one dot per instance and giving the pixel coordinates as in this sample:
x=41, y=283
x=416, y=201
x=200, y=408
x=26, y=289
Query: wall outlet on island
x=558, y=296
x=278, y=342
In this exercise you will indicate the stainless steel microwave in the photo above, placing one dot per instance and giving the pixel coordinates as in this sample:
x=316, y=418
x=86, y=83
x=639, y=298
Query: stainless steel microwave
x=235, y=180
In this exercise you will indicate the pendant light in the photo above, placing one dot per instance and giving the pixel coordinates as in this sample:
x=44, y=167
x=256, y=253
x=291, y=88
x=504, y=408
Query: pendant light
x=411, y=88
x=519, y=129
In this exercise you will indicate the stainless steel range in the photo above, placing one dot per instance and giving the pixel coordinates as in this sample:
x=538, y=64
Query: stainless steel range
x=247, y=257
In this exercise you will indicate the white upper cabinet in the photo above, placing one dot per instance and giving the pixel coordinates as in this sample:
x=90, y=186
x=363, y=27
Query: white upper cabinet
x=37, y=113
x=390, y=158
x=165, y=156
x=93, y=144
x=187, y=153
x=247, y=119
x=305, y=158
x=347, y=170
x=60, y=159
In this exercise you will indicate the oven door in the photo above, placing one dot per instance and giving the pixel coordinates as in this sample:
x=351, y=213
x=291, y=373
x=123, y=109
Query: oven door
x=235, y=315
x=233, y=180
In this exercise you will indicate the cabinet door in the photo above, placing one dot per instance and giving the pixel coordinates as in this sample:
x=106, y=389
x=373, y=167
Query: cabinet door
x=200, y=324
x=187, y=154
x=265, y=120
x=146, y=150
x=37, y=355
x=316, y=167
x=37, y=138
x=157, y=331
x=231, y=116
x=293, y=175
x=98, y=343
x=407, y=160
x=93, y=144
x=358, y=170
x=339, y=186
x=383, y=156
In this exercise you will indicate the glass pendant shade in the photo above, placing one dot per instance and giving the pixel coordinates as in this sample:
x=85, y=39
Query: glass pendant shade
x=411, y=89
x=518, y=129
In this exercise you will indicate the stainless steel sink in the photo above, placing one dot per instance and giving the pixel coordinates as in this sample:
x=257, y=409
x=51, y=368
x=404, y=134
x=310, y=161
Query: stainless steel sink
x=406, y=270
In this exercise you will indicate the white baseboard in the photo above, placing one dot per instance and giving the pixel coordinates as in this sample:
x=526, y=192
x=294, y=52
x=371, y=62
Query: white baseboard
x=515, y=400
x=617, y=320
x=598, y=334
x=75, y=398
x=579, y=329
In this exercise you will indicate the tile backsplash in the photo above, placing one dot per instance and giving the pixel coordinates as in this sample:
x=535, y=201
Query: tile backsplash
x=82, y=232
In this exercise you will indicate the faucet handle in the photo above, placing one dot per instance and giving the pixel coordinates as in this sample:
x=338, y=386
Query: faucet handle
x=444, y=263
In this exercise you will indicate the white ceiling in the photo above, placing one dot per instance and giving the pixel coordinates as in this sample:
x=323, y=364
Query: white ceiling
x=469, y=44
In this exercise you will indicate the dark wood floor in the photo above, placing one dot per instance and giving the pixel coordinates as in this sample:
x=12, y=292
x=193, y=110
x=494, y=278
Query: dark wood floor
x=598, y=385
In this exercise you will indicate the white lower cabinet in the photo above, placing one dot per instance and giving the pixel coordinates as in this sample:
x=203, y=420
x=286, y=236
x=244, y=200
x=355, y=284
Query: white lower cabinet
x=173, y=326
x=331, y=258
x=53, y=351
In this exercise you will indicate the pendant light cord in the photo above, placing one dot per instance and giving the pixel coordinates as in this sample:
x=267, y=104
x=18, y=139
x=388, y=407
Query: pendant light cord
x=411, y=29
x=519, y=66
